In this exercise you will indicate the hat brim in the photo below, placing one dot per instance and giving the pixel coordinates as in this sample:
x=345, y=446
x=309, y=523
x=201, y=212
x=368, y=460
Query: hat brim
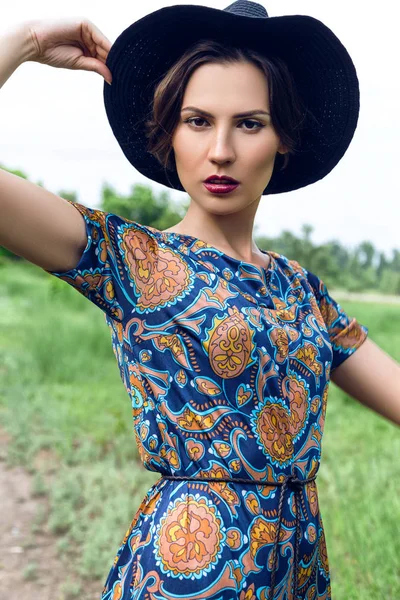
x=320, y=65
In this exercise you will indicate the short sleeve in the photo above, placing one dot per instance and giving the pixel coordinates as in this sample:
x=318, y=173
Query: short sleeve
x=346, y=334
x=102, y=273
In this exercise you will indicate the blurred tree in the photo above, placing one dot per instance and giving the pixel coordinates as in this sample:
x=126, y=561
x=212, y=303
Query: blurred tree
x=143, y=206
x=367, y=254
x=382, y=264
x=395, y=264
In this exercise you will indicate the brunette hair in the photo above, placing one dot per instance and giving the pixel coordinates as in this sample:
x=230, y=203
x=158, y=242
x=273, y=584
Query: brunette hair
x=287, y=112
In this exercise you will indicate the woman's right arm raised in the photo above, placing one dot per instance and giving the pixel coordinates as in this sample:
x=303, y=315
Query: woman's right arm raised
x=35, y=223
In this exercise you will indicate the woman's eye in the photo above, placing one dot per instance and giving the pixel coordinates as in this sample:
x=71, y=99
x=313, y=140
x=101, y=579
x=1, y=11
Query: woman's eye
x=194, y=119
x=256, y=124
x=259, y=125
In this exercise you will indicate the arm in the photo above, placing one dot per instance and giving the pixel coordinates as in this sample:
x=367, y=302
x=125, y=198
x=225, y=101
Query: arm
x=38, y=225
x=373, y=378
x=16, y=48
x=34, y=223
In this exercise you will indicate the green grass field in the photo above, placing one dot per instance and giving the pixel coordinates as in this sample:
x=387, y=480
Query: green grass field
x=60, y=393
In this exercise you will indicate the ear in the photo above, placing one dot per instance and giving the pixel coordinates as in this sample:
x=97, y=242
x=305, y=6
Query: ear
x=282, y=149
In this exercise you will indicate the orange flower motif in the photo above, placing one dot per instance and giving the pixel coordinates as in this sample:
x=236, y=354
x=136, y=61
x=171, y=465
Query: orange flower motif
x=273, y=427
x=222, y=488
x=262, y=532
x=287, y=314
x=280, y=338
x=307, y=354
x=190, y=537
x=192, y=421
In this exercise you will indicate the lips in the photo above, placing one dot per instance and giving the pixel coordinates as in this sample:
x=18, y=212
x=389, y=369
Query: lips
x=221, y=180
x=220, y=188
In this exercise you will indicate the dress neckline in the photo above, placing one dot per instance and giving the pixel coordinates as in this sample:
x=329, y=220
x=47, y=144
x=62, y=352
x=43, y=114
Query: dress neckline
x=206, y=246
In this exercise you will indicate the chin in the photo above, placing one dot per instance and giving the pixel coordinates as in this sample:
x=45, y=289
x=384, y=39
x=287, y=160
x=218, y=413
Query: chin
x=224, y=206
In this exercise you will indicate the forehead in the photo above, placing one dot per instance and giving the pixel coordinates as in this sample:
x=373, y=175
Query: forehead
x=221, y=83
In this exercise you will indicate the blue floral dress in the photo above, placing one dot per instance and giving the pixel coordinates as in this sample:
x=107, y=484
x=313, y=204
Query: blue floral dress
x=227, y=366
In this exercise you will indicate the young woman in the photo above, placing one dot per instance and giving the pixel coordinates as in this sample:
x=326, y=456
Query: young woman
x=226, y=351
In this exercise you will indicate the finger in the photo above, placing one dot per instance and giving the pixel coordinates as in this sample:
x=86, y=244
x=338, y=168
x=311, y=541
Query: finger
x=101, y=53
x=92, y=64
x=88, y=41
x=95, y=36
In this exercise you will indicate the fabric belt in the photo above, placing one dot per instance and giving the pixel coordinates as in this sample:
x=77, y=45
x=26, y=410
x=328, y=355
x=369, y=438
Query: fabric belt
x=291, y=482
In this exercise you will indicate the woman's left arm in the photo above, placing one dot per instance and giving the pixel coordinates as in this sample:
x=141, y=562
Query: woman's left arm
x=372, y=377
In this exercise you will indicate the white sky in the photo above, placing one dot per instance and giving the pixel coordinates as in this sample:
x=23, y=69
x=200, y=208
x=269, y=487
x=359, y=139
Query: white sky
x=54, y=126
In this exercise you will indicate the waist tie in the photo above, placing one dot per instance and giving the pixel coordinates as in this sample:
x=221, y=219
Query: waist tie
x=290, y=481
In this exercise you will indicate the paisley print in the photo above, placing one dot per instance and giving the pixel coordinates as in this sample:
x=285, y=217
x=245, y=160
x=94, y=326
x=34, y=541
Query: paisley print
x=227, y=366
x=229, y=344
x=159, y=275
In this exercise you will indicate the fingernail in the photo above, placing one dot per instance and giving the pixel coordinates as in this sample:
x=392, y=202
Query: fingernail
x=109, y=82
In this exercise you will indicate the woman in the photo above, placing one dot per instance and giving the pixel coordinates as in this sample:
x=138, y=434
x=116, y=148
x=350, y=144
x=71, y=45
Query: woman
x=225, y=350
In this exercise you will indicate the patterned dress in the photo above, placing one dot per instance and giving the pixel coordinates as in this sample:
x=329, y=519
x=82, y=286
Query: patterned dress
x=227, y=366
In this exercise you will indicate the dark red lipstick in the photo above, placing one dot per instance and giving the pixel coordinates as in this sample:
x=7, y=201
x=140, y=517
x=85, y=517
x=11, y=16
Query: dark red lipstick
x=220, y=184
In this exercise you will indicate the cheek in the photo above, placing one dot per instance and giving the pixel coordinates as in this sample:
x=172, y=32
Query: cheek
x=258, y=159
x=186, y=152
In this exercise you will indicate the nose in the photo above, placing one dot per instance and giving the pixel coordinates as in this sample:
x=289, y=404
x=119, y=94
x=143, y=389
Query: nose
x=221, y=146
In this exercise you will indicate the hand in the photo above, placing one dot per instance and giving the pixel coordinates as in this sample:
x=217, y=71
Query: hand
x=70, y=44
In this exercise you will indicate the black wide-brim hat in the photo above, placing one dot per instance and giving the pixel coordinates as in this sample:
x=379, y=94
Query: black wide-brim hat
x=320, y=65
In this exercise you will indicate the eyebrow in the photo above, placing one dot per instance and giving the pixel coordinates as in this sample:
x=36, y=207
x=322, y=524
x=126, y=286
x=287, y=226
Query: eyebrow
x=248, y=113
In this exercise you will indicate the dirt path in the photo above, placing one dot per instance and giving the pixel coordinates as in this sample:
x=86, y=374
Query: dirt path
x=29, y=566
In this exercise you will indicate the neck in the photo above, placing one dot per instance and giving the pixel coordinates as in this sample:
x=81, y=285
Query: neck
x=232, y=233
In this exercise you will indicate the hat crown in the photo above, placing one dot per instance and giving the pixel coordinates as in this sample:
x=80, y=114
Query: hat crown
x=245, y=8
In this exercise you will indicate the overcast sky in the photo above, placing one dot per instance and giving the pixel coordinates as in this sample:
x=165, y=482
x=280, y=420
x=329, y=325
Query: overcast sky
x=54, y=126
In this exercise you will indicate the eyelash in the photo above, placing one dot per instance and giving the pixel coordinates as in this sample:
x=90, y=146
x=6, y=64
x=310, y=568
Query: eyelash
x=260, y=125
